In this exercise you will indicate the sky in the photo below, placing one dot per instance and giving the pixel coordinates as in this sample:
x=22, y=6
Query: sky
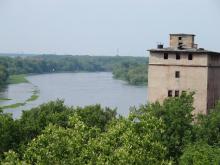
x=101, y=27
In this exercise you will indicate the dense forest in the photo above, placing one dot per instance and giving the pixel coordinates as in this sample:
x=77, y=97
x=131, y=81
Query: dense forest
x=164, y=133
x=68, y=63
x=3, y=75
x=133, y=73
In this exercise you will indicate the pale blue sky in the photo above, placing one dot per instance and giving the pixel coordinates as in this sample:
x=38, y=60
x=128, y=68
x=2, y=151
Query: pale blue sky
x=99, y=27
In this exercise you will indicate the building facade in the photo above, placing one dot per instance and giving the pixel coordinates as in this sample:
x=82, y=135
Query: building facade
x=184, y=67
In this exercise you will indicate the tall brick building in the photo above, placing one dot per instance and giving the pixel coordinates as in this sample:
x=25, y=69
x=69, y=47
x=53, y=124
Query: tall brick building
x=184, y=67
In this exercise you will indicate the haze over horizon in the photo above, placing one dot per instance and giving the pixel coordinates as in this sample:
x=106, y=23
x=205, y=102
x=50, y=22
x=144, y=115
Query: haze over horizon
x=97, y=27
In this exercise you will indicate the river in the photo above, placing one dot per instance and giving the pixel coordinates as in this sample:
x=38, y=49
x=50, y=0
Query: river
x=76, y=89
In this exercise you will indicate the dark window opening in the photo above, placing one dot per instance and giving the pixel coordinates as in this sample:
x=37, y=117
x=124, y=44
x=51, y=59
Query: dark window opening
x=180, y=45
x=178, y=56
x=180, y=38
x=190, y=57
x=170, y=93
x=177, y=74
x=165, y=56
x=177, y=93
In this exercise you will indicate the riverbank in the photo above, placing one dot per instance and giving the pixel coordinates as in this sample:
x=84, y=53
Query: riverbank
x=17, y=67
x=17, y=79
x=77, y=89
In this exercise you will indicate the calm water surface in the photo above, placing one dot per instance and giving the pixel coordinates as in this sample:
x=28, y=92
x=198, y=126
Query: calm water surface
x=76, y=89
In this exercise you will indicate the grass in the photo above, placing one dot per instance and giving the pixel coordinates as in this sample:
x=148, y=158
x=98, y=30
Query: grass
x=5, y=99
x=17, y=79
x=12, y=106
x=34, y=96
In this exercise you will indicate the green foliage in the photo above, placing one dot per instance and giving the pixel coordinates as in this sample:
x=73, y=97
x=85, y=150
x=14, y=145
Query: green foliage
x=16, y=134
x=208, y=127
x=176, y=114
x=34, y=121
x=3, y=75
x=53, y=63
x=9, y=133
x=19, y=66
x=125, y=142
x=4, y=99
x=159, y=133
x=58, y=145
x=133, y=73
x=12, y=158
x=129, y=141
x=12, y=106
x=34, y=96
x=95, y=116
x=200, y=154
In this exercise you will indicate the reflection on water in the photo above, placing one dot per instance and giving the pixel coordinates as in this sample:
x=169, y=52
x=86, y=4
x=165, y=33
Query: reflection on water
x=77, y=89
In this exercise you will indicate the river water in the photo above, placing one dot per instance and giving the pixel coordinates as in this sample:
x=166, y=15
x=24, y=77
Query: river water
x=76, y=89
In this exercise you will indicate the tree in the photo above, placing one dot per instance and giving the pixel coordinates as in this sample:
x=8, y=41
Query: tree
x=126, y=141
x=200, y=154
x=34, y=121
x=9, y=133
x=129, y=141
x=207, y=127
x=12, y=158
x=96, y=116
x=176, y=113
x=58, y=145
x=3, y=75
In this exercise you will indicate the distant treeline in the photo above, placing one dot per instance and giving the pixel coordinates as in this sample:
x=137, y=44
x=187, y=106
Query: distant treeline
x=3, y=75
x=64, y=63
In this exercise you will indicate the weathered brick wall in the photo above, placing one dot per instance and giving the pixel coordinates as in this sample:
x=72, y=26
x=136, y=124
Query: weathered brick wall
x=188, y=41
x=193, y=77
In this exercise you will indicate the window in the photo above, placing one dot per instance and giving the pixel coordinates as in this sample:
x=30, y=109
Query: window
x=170, y=93
x=177, y=93
x=180, y=45
x=180, y=38
x=177, y=74
x=177, y=56
x=190, y=57
x=165, y=56
x=183, y=92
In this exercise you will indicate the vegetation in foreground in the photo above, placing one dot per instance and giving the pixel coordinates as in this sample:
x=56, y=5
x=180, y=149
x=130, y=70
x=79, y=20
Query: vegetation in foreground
x=155, y=134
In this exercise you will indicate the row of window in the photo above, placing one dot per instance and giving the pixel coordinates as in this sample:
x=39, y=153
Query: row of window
x=178, y=57
x=176, y=93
